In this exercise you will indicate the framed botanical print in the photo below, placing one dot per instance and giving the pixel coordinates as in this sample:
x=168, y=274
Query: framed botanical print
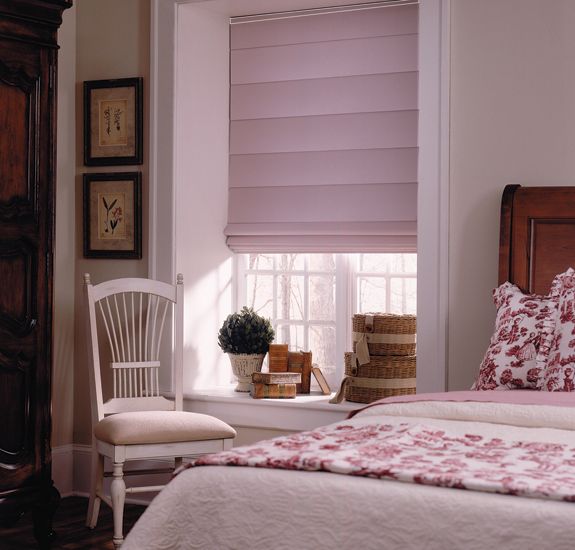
x=113, y=215
x=113, y=114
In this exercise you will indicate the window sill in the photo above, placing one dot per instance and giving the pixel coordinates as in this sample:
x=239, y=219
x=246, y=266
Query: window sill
x=305, y=412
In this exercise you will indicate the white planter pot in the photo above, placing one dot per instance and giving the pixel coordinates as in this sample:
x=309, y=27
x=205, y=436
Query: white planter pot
x=243, y=366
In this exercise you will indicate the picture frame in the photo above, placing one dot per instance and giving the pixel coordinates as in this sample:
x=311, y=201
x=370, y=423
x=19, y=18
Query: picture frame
x=113, y=215
x=113, y=115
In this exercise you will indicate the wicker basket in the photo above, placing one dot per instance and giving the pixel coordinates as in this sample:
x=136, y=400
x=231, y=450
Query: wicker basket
x=385, y=333
x=381, y=377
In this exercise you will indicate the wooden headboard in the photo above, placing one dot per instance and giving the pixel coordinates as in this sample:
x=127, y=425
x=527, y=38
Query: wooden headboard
x=537, y=237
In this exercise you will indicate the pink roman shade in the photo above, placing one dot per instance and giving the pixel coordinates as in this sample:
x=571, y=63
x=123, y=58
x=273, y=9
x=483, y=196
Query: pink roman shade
x=323, y=132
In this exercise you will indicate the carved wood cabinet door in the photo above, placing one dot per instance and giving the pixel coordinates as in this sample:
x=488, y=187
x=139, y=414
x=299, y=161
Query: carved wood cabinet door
x=26, y=210
x=27, y=172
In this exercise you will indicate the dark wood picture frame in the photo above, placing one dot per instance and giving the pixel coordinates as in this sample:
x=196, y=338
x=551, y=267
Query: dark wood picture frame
x=113, y=215
x=113, y=122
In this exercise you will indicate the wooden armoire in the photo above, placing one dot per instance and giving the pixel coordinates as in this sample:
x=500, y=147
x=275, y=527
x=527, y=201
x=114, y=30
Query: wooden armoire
x=28, y=60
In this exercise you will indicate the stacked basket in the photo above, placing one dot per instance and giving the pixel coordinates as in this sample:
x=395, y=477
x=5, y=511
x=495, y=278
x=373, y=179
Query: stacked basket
x=383, y=360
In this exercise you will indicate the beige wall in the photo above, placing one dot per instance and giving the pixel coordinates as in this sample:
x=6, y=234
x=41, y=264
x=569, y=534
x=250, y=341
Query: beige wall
x=512, y=121
x=201, y=179
x=112, y=42
x=65, y=250
x=512, y=113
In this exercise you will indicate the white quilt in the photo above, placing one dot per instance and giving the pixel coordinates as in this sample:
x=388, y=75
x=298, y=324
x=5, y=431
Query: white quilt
x=216, y=507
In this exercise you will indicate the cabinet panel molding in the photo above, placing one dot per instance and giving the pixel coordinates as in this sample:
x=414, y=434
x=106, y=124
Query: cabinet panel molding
x=19, y=140
x=18, y=272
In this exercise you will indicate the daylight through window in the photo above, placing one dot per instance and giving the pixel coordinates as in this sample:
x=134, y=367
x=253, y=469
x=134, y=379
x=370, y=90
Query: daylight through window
x=310, y=298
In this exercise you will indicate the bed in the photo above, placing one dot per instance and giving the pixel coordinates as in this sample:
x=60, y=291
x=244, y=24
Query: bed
x=464, y=470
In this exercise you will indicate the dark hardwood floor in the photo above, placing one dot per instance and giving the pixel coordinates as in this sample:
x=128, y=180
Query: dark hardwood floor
x=71, y=531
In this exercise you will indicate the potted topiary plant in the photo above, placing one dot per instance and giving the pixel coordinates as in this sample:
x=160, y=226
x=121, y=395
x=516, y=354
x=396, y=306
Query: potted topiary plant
x=245, y=337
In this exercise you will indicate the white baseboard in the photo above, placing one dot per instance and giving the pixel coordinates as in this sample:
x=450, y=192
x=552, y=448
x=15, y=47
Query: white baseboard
x=82, y=469
x=71, y=467
x=63, y=469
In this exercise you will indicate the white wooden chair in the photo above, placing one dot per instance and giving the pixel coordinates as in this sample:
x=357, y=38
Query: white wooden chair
x=137, y=422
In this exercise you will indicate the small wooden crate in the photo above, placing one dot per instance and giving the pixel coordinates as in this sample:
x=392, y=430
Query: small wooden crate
x=385, y=333
x=383, y=376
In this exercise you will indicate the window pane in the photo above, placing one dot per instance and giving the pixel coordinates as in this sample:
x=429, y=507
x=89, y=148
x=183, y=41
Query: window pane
x=391, y=263
x=260, y=261
x=290, y=262
x=292, y=335
x=290, y=298
x=403, y=295
x=410, y=263
x=322, y=345
x=403, y=263
x=375, y=263
x=321, y=262
x=260, y=293
x=372, y=294
x=322, y=297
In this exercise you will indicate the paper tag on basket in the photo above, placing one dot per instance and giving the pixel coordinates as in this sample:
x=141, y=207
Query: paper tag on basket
x=362, y=351
x=338, y=397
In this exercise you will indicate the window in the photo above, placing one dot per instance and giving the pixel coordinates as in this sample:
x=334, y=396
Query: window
x=293, y=75
x=310, y=298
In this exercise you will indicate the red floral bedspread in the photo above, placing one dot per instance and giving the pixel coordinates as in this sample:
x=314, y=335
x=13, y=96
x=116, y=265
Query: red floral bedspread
x=418, y=454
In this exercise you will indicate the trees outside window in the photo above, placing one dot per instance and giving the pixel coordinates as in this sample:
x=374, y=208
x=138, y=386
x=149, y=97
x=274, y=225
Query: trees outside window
x=310, y=298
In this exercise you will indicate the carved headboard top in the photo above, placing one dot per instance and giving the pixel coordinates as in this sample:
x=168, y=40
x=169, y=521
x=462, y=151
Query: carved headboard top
x=537, y=236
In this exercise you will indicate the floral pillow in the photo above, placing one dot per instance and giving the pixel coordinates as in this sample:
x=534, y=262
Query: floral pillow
x=562, y=282
x=513, y=359
x=559, y=373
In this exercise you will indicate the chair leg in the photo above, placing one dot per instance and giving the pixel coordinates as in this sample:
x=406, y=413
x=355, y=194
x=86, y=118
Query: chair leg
x=95, y=488
x=118, y=494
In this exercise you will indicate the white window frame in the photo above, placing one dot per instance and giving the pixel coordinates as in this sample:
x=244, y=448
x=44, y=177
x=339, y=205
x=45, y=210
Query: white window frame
x=347, y=275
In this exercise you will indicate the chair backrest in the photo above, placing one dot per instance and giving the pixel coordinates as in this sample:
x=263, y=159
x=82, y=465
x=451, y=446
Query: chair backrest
x=133, y=314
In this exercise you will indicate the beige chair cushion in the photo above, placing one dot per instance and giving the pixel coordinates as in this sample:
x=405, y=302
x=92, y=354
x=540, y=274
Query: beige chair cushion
x=133, y=428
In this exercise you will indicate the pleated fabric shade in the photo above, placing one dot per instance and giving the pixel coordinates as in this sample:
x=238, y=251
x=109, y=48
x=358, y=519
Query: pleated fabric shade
x=323, y=132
